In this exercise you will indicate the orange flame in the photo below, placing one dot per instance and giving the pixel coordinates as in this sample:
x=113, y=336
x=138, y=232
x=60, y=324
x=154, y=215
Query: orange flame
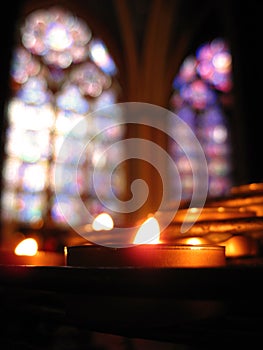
x=103, y=221
x=27, y=247
x=148, y=233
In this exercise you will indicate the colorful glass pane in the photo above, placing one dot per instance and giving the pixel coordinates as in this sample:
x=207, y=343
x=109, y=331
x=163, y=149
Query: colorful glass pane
x=57, y=36
x=197, y=89
x=100, y=55
x=24, y=116
x=30, y=207
x=60, y=75
x=28, y=145
x=33, y=177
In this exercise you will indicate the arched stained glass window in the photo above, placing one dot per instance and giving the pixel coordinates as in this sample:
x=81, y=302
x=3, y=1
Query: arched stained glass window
x=60, y=74
x=199, y=99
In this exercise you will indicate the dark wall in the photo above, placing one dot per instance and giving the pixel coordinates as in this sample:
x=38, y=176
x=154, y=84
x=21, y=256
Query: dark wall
x=246, y=38
x=7, y=31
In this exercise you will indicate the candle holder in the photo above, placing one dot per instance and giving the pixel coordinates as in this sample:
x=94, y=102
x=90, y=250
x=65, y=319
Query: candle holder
x=247, y=202
x=247, y=189
x=240, y=236
x=207, y=213
x=146, y=255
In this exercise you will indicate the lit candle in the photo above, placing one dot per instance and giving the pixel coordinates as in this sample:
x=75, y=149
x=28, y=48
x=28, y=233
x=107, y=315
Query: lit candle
x=238, y=246
x=27, y=253
x=153, y=253
x=237, y=230
x=41, y=258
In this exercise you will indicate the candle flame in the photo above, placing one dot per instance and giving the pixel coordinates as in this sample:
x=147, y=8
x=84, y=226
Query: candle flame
x=148, y=233
x=194, y=241
x=192, y=214
x=103, y=221
x=27, y=247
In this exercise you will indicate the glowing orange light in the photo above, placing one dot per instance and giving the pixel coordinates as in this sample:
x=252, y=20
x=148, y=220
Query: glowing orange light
x=194, y=240
x=148, y=233
x=193, y=214
x=103, y=221
x=27, y=247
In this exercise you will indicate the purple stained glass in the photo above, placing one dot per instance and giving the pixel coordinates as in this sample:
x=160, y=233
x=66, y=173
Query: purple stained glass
x=195, y=99
x=56, y=35
x=188, y=115
x=34, y=91
x=214, y=64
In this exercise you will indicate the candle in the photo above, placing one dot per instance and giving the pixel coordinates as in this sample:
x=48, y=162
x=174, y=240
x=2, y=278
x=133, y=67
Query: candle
x=235, y=228
x=146, y=250
x=235, y=245
x=247, y=189
x=41, y=258
x=146, y=255
x=27, y=253
x=197, y=214
x=239, y=246
x=249, y=202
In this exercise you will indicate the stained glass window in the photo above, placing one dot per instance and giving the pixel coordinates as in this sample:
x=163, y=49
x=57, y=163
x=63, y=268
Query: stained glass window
x=204, y=79
x=60, y=74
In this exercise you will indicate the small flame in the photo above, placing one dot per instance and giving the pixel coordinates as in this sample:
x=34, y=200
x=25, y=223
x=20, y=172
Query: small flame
x=194, y=241
x=27, y=247
x=103, y=221
x=148, y=233
x=193, y=214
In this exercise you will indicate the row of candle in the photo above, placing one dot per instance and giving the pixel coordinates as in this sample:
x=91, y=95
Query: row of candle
x=229, y=227
x=218, y=232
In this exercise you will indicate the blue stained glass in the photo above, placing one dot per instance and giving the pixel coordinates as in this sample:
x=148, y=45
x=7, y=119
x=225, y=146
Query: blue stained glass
x=108, y=97
x=100, y=55
x=188, y=115
x=213, y=116
x=72, y=100
x=34, y=92
x=31, y=207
